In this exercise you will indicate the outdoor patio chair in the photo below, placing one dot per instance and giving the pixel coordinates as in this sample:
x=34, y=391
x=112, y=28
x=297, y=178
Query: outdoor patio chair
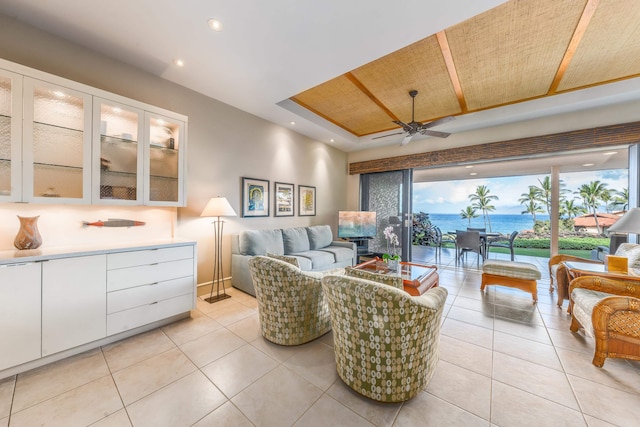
x=500, y=242
x=468, y=241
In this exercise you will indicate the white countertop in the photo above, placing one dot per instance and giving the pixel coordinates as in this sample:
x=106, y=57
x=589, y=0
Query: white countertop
x=44, y=253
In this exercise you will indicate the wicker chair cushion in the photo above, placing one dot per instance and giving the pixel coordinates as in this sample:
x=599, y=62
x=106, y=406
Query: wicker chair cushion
x=583, y=302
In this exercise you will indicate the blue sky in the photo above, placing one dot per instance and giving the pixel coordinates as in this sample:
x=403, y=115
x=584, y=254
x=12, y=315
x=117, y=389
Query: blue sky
x=453, y=196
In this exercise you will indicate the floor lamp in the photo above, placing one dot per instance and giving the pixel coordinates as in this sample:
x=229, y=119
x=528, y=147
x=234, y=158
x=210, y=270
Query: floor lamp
x=218, y=207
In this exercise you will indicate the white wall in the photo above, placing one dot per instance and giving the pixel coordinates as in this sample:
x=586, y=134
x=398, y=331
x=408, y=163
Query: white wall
x=224, y=145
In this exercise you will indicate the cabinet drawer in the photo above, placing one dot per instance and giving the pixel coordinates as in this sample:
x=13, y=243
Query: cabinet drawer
x=132, y=318
x=149, y=256
x=147, y=294
x=147, y=274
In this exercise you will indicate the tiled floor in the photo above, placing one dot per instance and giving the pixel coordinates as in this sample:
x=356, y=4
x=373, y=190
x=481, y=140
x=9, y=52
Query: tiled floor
x=503, y=362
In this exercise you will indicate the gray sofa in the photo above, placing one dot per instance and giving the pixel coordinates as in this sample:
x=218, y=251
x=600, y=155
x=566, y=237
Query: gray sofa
x=313, y=247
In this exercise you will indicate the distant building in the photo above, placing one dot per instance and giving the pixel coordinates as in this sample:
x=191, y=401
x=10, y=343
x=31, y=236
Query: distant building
x=587, y=222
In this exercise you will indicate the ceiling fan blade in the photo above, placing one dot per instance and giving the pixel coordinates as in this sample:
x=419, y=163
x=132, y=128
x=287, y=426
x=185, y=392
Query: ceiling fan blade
x=434, y=133
x=406, y=140
x=384, y=136
x=437, y=122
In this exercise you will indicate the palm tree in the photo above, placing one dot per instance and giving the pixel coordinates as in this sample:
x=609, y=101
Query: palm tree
x=469, y=213
x=570, y=209
x=620, y=199
x=592, y=195
x=544, y=192
x=530, y=202
x=482, y=200
x=606, y=198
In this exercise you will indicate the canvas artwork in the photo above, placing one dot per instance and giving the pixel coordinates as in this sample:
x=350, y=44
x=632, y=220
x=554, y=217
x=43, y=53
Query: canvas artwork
x=255, y=197
x=283, y=199
x=307, y=200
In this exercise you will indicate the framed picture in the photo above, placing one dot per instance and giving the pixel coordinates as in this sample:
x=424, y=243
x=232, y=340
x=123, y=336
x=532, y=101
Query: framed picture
x=255, y=197
x=283, y=199
x=306, y=200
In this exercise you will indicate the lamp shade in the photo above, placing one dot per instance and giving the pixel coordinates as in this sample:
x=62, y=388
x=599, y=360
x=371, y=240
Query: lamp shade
x=629, y=223
x=218, y=206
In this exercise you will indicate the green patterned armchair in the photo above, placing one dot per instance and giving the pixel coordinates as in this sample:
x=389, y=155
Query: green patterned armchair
x=386, y=341
x=291, y=304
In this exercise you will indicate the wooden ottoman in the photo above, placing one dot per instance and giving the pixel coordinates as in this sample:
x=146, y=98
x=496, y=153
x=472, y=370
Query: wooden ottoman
x=520, y=275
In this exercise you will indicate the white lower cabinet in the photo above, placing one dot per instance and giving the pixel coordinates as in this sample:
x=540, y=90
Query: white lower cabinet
x=73, y=302
x=19, y=313
x=146, y=286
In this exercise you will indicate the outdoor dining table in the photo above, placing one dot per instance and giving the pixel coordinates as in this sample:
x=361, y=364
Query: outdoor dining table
x=484, y=235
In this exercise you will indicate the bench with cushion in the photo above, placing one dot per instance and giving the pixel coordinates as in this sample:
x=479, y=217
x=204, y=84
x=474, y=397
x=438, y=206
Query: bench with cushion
x=520, y=275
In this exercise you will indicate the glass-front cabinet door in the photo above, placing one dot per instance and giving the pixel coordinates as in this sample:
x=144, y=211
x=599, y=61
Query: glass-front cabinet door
x=57, y=144
x=117, y=153
x=10, y=136
x=163, y=167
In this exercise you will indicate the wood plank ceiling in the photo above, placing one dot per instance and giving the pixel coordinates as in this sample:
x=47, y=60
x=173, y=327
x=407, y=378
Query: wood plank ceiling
x=518, y=51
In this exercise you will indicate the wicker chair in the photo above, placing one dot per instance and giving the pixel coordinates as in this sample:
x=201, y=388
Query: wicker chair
x=609, y=310
x=291, y=305
x=385, y=340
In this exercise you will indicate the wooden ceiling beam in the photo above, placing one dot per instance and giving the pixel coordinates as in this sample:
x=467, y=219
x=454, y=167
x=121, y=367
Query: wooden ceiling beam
x=371, y=96
x=451, y=67
x=578, y=34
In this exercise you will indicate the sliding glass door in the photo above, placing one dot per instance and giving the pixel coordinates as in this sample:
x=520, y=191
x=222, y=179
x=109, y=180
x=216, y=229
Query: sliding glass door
x=389, y=195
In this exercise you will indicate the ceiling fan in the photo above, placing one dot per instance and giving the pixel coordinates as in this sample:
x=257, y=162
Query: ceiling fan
x=413, y=127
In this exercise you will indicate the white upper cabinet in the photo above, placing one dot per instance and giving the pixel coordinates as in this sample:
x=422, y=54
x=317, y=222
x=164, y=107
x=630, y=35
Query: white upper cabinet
x=56, y=144
x=163, y=160
x=10, y=136
x=65, y=142
x=117, y=153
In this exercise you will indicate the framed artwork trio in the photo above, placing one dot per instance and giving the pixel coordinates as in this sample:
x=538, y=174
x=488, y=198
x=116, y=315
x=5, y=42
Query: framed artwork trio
x=256, y=198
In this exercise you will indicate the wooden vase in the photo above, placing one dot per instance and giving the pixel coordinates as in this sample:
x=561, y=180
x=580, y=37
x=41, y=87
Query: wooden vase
x=28, y=236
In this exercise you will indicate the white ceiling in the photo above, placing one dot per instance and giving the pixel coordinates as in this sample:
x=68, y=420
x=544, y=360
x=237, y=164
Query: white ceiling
x=269, y=51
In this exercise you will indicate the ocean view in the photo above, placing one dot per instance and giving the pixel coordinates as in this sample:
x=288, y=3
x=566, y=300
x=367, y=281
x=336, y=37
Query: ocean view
x=504, y=224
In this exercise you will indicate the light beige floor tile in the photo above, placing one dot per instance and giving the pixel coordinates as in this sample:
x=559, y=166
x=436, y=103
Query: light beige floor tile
x=428, y=410
x=4, y=422
x=80, y=406
x=7, y=386
x=560, y=322
x=230, y=312
x=514, y=407
x=536, y=379
x=524, y=313
x=235, y=371
x=467, y=332
x=211, y=346
x=473, y=317
x=278, y=352
x=145, y=377
x=132, y=350
x=191, y=328
x=379, y=413
x=215, y=307
x=470, y=356
x=474, y=304
x=327, y=339
x=530, y=332
x=226, y=415
x=575, y=341
x=595, y=422
x=615, y=373
x=277, y=399
x=463, y=388
x=181, y=403
x=316, y=363
x=619, y=408
x=117, y=419
x=56, y=378
x=248, y=328
x=328, y=411
x=522, y=348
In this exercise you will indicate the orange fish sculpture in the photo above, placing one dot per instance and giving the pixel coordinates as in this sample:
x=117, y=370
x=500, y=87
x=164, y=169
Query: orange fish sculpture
x=114, y=222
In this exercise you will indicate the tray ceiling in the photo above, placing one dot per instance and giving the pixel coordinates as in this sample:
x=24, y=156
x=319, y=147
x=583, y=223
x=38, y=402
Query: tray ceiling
x=518, y=51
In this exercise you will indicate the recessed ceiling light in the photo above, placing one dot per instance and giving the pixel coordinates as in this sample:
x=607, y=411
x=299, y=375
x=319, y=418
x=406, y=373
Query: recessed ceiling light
x=214, y=24
x=179, y=62
x=293, y=123
x=609, y=153
x=468, y=167
x=473, y=173
x=588, y=164
x=331, y=140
